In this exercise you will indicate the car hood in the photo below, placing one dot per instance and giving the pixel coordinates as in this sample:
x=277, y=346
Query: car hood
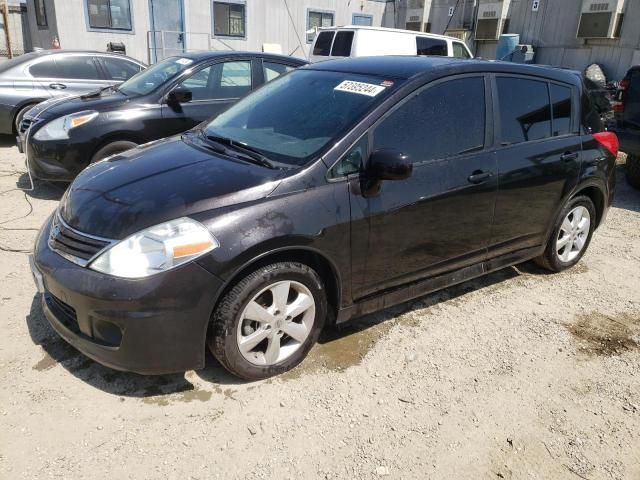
x=158, y=182
x=59, y=106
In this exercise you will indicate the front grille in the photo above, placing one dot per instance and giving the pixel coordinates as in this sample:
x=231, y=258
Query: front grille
x=65, y=314
x=26, y=123
x=74, y=245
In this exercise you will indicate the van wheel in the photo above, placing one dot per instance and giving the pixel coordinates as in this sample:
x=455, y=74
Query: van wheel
x=20, y=115
x=571, y=235
x=112, y=149
x=633, y=170
x=267, y=323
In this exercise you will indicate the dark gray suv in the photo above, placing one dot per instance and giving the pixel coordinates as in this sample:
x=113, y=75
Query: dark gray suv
x=31, y=78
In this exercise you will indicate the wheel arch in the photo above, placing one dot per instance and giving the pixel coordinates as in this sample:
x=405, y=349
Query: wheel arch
x=597, y=196
x=311, y=257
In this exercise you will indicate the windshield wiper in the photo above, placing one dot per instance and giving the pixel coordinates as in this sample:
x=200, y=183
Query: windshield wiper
x=97, y=93
x=247, y=153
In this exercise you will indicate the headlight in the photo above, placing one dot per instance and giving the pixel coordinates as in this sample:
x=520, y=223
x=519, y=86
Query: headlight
x=156, y=249
x=58, y=129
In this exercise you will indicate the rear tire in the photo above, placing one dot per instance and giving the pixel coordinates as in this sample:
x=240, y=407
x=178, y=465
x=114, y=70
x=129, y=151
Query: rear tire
x=112, y=148
x=633, y=170
x=571, y=235
x=267, y=323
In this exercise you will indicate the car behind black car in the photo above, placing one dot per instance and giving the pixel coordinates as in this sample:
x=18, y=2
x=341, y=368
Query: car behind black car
x=63, y=137
x=337, y=190
x=627, y=122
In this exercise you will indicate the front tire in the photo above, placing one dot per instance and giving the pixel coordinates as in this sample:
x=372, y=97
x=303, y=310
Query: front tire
x=267, y=323
x=571, y=235
x=633, y=170
x=113, y=148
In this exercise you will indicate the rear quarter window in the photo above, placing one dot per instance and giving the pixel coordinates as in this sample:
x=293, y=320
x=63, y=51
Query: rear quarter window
x=431, y=46
x=322, y=46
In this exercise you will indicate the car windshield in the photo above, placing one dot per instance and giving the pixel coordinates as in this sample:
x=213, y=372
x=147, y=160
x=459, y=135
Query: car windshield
x=294, y=117
x=148, y=80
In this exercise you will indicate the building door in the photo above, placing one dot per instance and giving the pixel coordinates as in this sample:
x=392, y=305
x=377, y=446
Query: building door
x=167, y=36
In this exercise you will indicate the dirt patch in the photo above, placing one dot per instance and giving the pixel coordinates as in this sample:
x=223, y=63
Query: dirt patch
x=189, y=393
x=601, y=334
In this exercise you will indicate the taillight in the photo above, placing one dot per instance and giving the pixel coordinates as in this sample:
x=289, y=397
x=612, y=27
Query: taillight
x=608, y=140
x=618, y=106
x=624, y=84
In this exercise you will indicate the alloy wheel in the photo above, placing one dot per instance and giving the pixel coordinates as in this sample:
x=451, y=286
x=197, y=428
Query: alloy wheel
x=573, y=234
x=276, y=323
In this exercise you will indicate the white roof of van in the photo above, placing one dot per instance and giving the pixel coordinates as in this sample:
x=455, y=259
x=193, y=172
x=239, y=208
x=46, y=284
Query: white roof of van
x=384, y=29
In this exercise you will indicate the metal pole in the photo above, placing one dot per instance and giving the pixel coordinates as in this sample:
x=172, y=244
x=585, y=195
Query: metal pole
x=7, y=34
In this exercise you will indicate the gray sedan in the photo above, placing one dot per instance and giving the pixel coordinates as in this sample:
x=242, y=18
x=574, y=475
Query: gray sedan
x=31, y=78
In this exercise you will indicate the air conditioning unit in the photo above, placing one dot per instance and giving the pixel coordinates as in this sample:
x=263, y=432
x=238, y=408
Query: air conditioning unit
x=464, y=35
x=601, y=18
x=491, y=18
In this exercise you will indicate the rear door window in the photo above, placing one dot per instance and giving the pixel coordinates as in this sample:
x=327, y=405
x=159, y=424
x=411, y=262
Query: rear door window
x=431, y=46
x=322, y=46
x=45, y=69
x=525, y=112
x=342, y=44
x=561, y=109
x=79, y=67
x=442, y=121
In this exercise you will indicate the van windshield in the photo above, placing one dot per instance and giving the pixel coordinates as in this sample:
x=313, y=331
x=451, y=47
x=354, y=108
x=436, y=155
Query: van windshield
x=291, y=119
x=148, y=80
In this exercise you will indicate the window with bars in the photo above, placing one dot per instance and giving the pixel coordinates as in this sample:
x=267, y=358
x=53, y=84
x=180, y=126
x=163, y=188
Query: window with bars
x=317, y=20
x=229, y=19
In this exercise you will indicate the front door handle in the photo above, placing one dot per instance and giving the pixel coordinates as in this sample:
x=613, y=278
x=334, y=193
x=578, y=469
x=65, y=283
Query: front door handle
x=479, y=177
x=57, y=86
x=568, y=156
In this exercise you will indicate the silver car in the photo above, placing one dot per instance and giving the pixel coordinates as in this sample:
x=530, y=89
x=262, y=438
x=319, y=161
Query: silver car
x=31, y=78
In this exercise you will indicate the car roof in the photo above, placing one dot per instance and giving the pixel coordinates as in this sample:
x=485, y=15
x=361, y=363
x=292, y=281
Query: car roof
x=410, y=66
x=384, y=29
x=206, y=55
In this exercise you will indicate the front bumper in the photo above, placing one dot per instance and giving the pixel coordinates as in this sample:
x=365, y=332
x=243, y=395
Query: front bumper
x=155, y=325
x=57, y=160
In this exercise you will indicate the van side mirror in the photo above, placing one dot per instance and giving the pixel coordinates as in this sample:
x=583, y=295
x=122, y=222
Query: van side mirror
x=386, y=164
x=179, y=95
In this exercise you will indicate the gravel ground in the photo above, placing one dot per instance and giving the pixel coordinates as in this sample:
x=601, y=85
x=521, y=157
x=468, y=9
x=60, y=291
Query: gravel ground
x=520, y=374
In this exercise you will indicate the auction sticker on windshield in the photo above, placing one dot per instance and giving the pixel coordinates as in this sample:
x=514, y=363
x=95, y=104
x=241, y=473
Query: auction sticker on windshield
x=360, y=88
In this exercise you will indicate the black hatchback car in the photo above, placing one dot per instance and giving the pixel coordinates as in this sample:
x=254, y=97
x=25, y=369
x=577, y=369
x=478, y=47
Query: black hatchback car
x=61, y=137
x=339, y=189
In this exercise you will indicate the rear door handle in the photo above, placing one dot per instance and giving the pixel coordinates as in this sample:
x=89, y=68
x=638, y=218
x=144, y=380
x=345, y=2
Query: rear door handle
x=568, y=156
x=57, y=86
x=479, y=177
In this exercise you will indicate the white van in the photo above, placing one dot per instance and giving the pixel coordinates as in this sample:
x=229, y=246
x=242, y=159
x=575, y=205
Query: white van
x=358, y=41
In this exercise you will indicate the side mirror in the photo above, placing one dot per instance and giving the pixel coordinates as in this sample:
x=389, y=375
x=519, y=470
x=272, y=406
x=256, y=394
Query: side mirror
x=387, y=164
x=179, y=95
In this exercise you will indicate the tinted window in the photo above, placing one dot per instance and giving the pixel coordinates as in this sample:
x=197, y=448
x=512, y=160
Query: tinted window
x=219, y=81
x=323, y=44
x=109, y=14
x=46, y=69
x=431, y=46
x=342, y=44
x=525, y=113
x=273, y=70
x=77, y=67
x=561, y=103
x=459, y=51
x=120, y=69
x=441, y=121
